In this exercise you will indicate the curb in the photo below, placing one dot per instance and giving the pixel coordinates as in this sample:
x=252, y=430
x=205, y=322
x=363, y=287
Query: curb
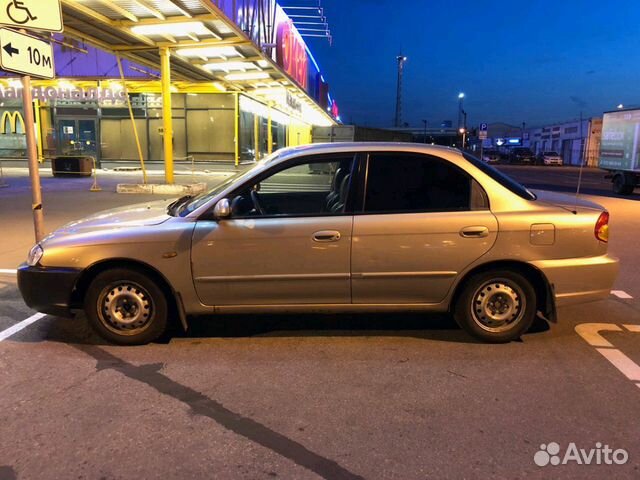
x=162, y=189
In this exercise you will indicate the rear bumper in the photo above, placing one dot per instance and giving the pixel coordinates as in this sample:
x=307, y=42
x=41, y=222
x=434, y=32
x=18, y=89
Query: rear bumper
x=579, y=280
x=48, y=290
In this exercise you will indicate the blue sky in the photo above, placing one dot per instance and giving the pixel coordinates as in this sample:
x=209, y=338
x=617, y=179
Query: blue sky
x=536, y=61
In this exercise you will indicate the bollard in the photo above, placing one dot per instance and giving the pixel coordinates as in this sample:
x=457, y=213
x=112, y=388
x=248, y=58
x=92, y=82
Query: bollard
x=95, y=187
x=3, y=184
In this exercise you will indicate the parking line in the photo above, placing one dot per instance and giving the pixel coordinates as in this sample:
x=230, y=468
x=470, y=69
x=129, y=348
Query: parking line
x=628, y=367
x=590, y=332
x=8, y=271
x=621, y=294
x=20, y=326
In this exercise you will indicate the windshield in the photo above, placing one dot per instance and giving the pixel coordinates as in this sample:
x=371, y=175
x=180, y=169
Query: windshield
x=551, y=154
x=501, y=178
x=199, y=200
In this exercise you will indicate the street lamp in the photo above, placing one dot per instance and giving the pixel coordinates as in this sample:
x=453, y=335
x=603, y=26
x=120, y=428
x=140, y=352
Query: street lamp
x=620, y=107
x=460, y=108
x=463, y=132
x=425, y=130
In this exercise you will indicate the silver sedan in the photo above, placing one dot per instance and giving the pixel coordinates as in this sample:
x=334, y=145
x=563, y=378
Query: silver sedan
x=362, y=227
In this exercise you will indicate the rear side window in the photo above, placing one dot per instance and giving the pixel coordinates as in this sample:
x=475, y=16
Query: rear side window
x=406, y=182
x=500, y=177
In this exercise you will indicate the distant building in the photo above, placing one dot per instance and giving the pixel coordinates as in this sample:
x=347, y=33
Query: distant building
x=574, y=140
x=502, y=136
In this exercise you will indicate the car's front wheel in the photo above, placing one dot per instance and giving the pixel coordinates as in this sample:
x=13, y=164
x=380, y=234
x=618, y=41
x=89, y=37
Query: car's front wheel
x=497, y=306
x=126, y=307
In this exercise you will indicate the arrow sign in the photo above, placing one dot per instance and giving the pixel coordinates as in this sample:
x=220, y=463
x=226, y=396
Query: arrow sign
x=32, y=14
x=10, y=50
x=26, y=55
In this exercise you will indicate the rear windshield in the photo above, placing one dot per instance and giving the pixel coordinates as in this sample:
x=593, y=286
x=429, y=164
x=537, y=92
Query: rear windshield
x=500, y=177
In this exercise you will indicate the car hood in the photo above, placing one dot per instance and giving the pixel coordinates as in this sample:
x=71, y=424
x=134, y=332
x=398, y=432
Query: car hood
x=138, y=215
x=569, y=202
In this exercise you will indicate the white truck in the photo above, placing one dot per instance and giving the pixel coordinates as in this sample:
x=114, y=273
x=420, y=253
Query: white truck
x=620, y=149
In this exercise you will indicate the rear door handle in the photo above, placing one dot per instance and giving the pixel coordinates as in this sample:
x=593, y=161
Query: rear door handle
x=477, y=231
x=326, y=236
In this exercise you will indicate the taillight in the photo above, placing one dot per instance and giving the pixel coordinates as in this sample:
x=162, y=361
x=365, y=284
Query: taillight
x=601, y=230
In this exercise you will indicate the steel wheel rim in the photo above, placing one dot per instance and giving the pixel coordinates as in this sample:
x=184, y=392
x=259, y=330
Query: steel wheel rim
x=125, y=308
x=498, y=305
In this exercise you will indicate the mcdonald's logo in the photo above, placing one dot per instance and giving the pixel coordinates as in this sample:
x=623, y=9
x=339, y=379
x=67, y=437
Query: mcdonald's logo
x=12, y=118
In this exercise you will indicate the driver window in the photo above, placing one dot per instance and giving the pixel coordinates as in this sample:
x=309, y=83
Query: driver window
x=313, y=188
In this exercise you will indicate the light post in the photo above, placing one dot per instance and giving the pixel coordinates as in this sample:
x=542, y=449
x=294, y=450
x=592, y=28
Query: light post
x=460, y=108
x=463, y=132
x=425, y=130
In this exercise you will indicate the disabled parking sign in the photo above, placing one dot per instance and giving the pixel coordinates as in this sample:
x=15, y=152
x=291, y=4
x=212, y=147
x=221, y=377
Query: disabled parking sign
x=43, y=15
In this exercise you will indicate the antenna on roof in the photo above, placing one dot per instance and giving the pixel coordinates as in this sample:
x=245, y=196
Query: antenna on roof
x=582, y=158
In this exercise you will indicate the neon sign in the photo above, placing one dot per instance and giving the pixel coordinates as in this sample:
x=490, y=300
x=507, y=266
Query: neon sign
x=291, y=53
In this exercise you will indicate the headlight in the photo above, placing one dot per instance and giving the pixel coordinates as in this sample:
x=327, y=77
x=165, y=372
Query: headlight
x=35, y=254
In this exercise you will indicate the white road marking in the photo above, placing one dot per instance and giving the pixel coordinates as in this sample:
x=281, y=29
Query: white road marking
x=590, y=332
x=628, y=367
x=8, y=271
x=20, y=326
x=621, y=294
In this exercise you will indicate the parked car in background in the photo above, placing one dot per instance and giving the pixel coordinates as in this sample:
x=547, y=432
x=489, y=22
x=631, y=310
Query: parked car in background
x=521, y=156
x=550, y=158
x=378, y=227
x=491, y=156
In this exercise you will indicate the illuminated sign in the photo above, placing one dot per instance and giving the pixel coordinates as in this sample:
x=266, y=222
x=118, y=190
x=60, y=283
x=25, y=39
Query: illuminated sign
x=291, y=53
x=101, y=95
x=335, y=111
x=11, y=119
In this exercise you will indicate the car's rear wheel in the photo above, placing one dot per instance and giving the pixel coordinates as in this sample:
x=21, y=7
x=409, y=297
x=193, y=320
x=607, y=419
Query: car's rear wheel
x=496, y=306
x=126, y=307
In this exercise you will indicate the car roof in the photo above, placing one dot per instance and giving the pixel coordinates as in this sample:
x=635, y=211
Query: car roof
x=342, y=147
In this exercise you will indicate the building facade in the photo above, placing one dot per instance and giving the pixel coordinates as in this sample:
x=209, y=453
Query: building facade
x=244, y=83
x=576, y=141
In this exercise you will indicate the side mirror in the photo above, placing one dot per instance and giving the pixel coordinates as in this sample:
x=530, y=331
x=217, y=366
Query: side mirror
x=222, y=209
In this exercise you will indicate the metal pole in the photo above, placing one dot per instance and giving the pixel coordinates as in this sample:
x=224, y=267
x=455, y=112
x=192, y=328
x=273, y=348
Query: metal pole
x=401, y=59
x=167, y=113
x=133, y=120
x=236, y=131
x=32, y=155
x=269, y=133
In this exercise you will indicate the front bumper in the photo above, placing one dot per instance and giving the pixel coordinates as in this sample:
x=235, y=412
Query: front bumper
x=579, y=280
x=48, y=290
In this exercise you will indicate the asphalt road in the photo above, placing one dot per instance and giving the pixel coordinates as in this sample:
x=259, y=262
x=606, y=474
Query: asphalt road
x=384, y=396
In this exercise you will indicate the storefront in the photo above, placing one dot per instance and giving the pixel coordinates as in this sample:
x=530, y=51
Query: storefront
x=256, y=99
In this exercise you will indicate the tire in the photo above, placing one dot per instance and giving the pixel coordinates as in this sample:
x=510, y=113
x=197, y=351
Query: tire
x=126, y=307
x=620, y=185
x=514, y=298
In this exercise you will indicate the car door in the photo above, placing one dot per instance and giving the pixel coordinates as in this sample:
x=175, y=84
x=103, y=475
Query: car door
x=288, y=240
x=423, y=221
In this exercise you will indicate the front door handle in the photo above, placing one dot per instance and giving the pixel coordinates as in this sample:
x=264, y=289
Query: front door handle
x=477, y=231
x=325, y=236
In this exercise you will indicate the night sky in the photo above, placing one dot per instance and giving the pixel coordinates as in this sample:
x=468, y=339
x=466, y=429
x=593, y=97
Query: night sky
x=536, y=61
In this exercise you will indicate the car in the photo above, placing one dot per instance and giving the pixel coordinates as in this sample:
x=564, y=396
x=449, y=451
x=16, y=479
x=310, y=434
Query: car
x=521, y=156
x=550, y=158
x=379, y=227
x=491, y=156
